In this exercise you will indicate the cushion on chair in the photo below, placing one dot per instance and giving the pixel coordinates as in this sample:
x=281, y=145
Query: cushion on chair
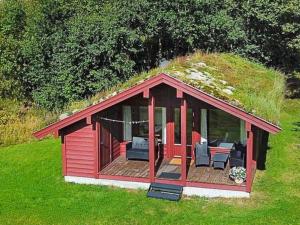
x=201, y=148
x=140, y=143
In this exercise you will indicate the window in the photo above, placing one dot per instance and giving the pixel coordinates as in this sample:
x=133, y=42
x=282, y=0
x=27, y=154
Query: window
x=143, y=116
x=177, y=129
x=160, y=123
x=177, y=124
x=127, y=132
x=223, y=126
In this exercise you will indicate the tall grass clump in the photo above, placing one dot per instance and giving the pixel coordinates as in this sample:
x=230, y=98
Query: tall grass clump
x=18, y=122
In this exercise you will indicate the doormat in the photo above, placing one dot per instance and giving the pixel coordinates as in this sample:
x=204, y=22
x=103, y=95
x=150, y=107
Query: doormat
x=177, y=161
x=165, y=175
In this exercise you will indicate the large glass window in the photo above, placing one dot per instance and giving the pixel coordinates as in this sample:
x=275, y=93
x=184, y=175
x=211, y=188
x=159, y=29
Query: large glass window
x=177, y=124
x=143, y=116
x=177, y=129
x=223, y=126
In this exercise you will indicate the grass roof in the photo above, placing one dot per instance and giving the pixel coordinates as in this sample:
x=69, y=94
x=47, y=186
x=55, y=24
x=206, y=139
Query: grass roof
x=238, y=81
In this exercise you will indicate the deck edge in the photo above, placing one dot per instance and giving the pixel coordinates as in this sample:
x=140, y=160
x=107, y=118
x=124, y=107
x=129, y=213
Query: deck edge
x=188, y=191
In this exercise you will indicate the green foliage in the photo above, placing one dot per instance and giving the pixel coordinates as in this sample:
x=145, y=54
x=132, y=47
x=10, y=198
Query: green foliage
x=57, y=51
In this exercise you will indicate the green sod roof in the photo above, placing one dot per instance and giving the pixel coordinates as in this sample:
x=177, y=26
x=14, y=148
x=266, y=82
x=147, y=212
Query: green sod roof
x=247, y=85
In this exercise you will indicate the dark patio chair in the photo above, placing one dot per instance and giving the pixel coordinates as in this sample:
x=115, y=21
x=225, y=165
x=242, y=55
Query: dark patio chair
x=237, y=156
x=202, y=154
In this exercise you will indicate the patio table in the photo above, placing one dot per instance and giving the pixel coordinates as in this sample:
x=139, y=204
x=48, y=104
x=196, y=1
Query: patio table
x=220, y=160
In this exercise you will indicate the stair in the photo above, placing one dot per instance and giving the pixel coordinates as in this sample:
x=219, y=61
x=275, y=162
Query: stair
x=165, y=191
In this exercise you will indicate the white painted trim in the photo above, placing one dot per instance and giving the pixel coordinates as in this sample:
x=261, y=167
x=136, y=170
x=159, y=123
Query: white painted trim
x=189, y=191
x=214, y=193
x=203, y=125
x=106, y=182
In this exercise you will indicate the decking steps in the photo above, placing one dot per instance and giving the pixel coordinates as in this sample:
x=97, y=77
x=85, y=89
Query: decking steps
x=165, y=191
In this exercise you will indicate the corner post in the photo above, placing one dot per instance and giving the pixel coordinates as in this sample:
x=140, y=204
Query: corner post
x=183, y=112
x=64, y=155
x=151, y=113
x=97, y=148
x=249, y=157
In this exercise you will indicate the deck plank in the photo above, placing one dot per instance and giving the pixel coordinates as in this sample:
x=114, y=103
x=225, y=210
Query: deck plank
x=137, y=168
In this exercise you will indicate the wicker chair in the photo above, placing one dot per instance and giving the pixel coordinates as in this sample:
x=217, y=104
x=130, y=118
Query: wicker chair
x=202, y=154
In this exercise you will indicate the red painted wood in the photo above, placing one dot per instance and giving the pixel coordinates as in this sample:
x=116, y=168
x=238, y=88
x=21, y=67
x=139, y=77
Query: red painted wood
x=56, y=133
x=64, y=158
x=124, y=178
x=105, y=144
x=146, y=93
x=79, y=157
x=100, y=148
x=89, y=119
x=179, y=93
x=151, y=113
x=183, y=113
x=123, y=148
x=97, y=148
x=216, y=186
x=162, y=78
x=177, y=149
x=249, y=152
x=80, y=174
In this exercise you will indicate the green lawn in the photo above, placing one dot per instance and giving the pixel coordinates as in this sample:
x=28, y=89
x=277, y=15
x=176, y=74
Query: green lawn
x=32, y=190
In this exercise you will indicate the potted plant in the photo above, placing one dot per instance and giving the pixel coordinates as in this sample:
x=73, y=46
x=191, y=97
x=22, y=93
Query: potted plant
x=238, y=174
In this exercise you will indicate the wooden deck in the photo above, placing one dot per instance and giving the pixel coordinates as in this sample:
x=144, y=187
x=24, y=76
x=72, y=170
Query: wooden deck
x=137, y=168
x=210, y=175
x=130, y=168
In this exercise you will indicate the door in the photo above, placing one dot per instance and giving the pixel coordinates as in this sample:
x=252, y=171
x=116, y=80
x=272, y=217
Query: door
x=105, y=144
x=176, y=131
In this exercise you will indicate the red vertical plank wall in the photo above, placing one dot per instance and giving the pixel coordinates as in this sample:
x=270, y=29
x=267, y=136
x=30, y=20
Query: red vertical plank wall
x=183, y=111
x=80, y=152
x=151, y=110
x=249, y=157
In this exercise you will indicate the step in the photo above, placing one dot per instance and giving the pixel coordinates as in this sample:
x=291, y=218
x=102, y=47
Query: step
x=163, y=195
x=165, y=191
x=169, y=187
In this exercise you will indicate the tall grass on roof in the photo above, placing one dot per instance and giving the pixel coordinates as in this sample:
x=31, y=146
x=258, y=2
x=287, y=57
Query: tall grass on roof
x=238, y=81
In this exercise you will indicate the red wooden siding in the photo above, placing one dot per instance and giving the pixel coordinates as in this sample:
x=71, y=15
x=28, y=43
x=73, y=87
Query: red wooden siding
x=80, y=150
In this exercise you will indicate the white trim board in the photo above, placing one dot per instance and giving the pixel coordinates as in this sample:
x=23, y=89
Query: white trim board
x=189, y=191
x=106, y=182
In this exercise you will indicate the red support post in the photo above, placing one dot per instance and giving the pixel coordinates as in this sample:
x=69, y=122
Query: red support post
x=99, y=151
x=97, y=148
x=146, y=93
x=179, y=93
x=64, y=155
x=183, y=111
x=89, y=119
x=151, y=113
x=249, y=153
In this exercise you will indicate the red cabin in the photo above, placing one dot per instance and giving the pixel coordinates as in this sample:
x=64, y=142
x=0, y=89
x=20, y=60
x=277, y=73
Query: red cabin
x=163, y=130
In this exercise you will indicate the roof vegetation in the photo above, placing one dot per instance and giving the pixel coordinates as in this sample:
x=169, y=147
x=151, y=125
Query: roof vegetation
x=238, y=81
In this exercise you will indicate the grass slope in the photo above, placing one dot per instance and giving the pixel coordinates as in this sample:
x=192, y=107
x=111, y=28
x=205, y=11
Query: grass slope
x=238, y=81
x=32, y=190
